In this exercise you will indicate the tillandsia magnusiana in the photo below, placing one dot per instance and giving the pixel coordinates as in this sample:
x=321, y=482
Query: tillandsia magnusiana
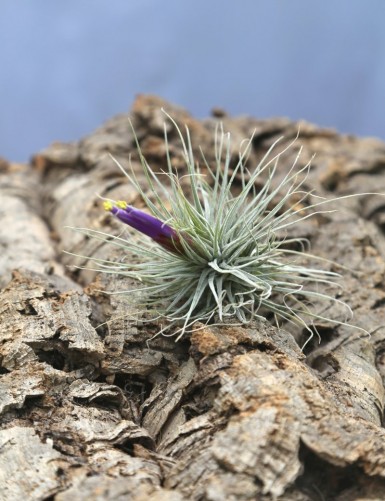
x=213, y=254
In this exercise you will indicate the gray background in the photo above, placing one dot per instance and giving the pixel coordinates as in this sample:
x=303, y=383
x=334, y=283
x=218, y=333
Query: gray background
x=66, y=66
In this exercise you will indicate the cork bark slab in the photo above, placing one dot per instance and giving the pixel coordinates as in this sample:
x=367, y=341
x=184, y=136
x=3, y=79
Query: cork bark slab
x=91, y=410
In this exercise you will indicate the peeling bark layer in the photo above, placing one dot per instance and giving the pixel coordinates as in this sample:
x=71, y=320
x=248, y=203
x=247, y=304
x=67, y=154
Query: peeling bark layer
x=91, y=410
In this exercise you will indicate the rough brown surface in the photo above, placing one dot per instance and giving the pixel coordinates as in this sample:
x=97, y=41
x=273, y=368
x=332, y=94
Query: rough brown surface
x=91, y=411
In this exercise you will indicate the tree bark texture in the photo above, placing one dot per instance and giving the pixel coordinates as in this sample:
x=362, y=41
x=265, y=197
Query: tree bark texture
x=91, y=410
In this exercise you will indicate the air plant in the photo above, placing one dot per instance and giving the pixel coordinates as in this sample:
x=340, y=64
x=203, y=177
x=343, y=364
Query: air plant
x=212, y=254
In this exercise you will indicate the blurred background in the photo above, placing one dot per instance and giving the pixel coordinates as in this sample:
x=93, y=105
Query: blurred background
x=68, y=66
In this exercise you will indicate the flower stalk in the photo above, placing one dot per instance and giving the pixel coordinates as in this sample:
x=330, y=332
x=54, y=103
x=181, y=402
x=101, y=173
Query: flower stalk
x=149, y=225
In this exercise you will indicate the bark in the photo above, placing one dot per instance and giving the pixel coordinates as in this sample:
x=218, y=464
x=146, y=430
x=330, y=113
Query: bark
x=92, y=410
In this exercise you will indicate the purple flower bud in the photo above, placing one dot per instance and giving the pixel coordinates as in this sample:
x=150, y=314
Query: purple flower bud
x=160, y=232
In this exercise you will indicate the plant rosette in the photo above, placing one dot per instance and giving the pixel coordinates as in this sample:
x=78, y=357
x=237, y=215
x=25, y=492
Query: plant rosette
x=212, y=255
